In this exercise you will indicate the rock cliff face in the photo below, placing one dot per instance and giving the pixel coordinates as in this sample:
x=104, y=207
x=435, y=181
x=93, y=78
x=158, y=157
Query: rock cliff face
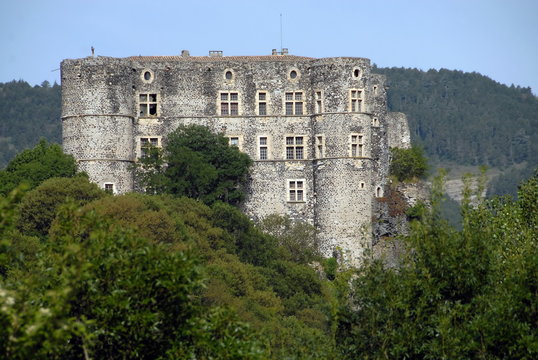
x=318, y=130
x=390, y=221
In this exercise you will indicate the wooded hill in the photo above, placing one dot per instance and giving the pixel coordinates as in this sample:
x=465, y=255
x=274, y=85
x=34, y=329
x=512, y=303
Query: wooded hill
x=458, y=117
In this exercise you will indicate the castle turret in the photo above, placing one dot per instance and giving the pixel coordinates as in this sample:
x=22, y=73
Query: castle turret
x=98, y=120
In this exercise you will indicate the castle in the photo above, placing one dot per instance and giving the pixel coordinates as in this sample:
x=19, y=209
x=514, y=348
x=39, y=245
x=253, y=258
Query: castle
x=318, y=130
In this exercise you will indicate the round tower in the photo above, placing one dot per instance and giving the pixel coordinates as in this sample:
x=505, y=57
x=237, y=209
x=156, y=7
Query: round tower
x=98, y=120
x=343, y=177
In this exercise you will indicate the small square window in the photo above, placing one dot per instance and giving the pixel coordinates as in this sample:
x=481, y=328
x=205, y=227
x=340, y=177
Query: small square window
x=296, y=191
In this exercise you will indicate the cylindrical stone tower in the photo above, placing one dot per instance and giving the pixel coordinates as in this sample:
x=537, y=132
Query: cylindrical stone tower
x=98, y=120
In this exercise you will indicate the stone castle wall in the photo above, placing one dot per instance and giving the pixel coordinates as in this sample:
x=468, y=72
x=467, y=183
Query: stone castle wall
x=105, y=113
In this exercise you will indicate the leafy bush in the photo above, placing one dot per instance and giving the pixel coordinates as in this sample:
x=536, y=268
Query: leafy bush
x=407, y=164
x=33, y=166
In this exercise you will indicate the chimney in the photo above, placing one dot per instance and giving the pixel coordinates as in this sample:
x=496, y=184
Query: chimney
x=215, y=53
x=185, y=53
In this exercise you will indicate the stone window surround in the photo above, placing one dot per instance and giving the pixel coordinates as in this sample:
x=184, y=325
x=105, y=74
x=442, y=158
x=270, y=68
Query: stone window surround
x=318, y=101
x=239, y=139
x=290, y=72
x=147, y=76
x=229, y=102
x=379, y=191
x=320, y=146
x=296, y=190
x=109, y=187
x=267, y=146
x=356, y=145
x=294, y=146
x=356, y=100
x=140, y=143
x=228, y=72
x=375, y=122
x=144, y=104
x=294, y=101
x=266, y=101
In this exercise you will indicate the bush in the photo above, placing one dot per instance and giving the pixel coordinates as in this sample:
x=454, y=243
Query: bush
x=407, y=164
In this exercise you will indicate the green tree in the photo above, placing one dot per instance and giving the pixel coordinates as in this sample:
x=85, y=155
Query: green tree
x=100, y=291
x=409, y=163
x=38, y=208
x=199, y=164
x=458, y=294
x=33, y=166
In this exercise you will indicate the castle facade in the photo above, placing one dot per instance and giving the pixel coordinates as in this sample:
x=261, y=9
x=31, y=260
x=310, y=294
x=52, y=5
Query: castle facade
x=318, y=130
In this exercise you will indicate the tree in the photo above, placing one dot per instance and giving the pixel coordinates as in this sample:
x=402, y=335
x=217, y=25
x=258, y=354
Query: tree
x=38, y=208
x=409, y=163
x=33, y=166
x=199, y=164
x=458, y=294
x=99, y=291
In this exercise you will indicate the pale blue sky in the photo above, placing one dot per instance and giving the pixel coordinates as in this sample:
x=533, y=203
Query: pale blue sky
x=497, y=38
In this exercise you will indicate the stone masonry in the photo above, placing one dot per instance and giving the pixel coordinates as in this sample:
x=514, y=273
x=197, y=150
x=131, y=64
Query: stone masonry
x=318, y=130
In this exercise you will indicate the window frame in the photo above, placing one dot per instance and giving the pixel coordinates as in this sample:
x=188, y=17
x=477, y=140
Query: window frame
x=265, y=146
x=318, y=102
x=140, y=144
x=293, y=190
x=293, y=102
x=320, y=146
x=356, y=103
x=294, y=146
x=260, y=101
x=356, y=146
x=148, y=103
x=111, y=190
x=239, y=138
x=229, y=102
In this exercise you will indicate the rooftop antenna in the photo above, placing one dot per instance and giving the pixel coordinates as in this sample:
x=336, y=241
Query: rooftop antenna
x=280, y=33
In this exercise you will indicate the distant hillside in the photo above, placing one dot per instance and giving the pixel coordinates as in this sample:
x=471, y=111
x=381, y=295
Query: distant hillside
x=27, y=114
x=465, y=118
x=469, y=119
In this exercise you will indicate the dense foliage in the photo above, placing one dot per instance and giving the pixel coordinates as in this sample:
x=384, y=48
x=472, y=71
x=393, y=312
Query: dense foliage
x=196, y=163
x=144, y=277
x=35, y=165
x=27, y=114
x=409, y=163
x=458, y=294
x=84, y=274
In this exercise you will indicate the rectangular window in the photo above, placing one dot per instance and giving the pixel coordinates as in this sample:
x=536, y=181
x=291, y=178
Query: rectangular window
x=295, y=148
x=229, y=103
x=357, y=145
x=147, y=105
x=320, y=146
x=319, y=102
x=262, y=103
x=148, y=142
x=294, y=104
x=109, y=188
x=263, y=148
x=296, y=191
x=234, y=141
x=355, y=100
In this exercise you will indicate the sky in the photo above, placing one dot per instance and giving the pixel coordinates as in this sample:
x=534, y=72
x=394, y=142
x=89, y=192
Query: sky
x=497, y=38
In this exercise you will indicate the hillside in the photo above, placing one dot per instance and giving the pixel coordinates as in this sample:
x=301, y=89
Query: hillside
x=468, y=119
x=27, y=114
